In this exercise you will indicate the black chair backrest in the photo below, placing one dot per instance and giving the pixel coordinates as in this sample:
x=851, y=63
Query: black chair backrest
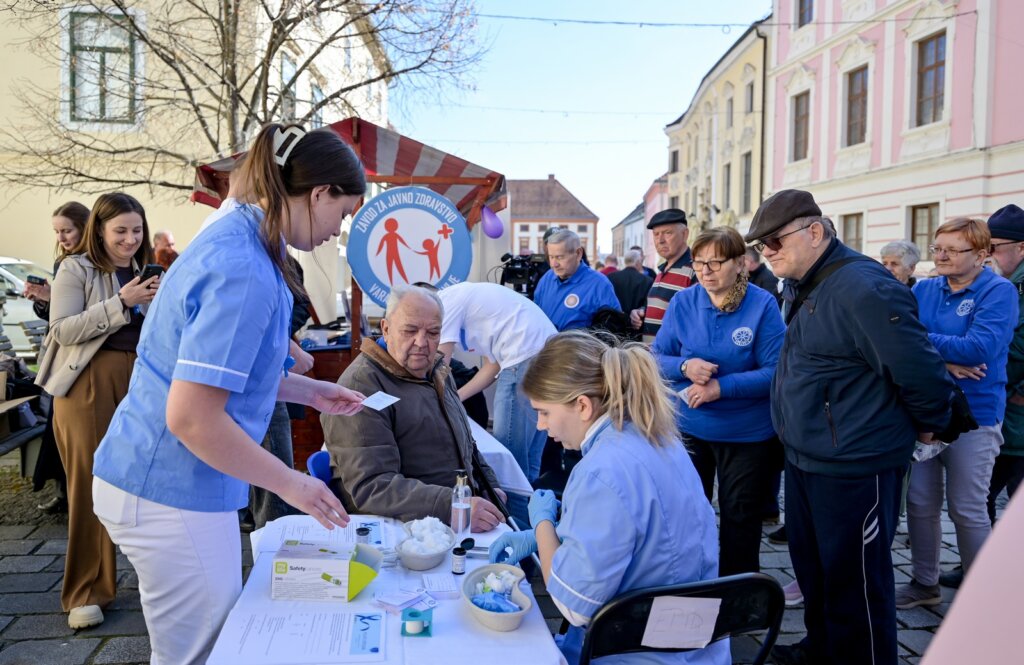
x=751, y=602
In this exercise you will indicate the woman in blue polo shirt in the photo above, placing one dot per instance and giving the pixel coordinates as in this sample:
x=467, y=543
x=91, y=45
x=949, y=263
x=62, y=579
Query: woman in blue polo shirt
x=970, y=314
x=175, y=464
x=632, y=516
x=718, y=346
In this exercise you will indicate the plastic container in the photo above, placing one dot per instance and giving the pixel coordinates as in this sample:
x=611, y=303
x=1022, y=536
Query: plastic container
x=414, y=561
x=499, y=621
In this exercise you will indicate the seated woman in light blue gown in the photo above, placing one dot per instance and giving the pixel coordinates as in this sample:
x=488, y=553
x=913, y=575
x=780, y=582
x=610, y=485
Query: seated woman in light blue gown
x=634, y=514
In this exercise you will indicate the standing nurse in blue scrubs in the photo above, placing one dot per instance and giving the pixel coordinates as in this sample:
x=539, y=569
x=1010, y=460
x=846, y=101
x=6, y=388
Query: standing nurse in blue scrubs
x=184, y=445
x=634, y=514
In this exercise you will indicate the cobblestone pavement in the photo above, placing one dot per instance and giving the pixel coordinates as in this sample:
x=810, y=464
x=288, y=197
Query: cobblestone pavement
x=34, y=631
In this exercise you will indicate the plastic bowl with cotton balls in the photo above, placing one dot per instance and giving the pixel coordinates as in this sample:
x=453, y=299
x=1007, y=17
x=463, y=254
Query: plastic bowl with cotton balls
x=427, y=544
x=498, y=578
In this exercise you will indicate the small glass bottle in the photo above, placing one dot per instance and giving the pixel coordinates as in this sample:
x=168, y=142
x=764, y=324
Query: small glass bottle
x=462, y=506
x=458, y=561
x=363, y=535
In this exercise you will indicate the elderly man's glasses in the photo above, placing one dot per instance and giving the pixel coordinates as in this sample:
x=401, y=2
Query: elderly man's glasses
x=1000, y=244
x=774, y=243
x=948, y=251
x=713, y=266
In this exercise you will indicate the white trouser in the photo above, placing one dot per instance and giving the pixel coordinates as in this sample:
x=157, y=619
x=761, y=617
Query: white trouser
x=189, y=566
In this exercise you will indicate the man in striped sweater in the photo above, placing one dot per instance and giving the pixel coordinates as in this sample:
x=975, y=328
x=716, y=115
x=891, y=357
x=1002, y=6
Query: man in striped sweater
x=670, y=235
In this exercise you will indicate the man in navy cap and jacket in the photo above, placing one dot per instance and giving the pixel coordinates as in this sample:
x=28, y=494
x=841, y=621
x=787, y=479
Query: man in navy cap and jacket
x=856, y=385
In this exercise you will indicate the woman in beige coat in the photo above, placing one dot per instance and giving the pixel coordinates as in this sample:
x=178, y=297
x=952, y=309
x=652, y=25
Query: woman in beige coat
x=96, y=314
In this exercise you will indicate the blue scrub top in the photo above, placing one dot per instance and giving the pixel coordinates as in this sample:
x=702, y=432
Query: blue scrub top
x=573, y=303
x=745, y=345
x=221, y=318
x=634, y=515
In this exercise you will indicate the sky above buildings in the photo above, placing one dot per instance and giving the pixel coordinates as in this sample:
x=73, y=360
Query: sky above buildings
x=587, y=102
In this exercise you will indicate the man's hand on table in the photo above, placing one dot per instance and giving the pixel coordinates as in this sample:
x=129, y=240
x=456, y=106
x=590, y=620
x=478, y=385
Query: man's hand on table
x=486, y=515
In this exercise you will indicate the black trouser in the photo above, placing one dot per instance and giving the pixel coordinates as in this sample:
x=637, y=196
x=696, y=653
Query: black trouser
x=1008, y=472
x=840, y=534
x=744, y=479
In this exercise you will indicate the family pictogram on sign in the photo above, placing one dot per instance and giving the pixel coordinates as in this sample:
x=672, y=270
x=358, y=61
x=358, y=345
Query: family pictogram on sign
x=408, y=235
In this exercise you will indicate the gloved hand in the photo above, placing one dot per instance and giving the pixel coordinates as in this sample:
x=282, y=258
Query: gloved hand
x=522, y=543
x=543, y=506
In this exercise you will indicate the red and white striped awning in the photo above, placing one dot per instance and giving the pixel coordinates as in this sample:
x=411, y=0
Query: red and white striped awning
x=393, y=159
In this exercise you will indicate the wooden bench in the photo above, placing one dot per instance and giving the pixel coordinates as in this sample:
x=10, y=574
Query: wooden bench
x=13, y=440
x=35, y=331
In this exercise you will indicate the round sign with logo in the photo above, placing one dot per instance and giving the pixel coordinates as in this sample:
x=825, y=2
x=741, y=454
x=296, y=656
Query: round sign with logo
x=408, y=235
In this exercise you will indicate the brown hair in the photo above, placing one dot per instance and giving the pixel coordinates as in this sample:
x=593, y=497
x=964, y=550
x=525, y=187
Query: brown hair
x=107, y=207
x=319, y=157
x=79, y=215
x=724, y=239
x=622, y=381
x=974, y=231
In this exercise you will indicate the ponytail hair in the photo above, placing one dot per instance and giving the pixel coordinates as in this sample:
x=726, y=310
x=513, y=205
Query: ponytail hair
x=79, y=215
x=622, y=381
x=312, y=159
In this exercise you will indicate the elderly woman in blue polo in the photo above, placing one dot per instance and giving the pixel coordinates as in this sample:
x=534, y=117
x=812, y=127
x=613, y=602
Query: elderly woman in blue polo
x=970, y=313
x=718, y=347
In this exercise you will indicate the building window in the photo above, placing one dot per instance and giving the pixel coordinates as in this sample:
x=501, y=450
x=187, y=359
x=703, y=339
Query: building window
x=288, y=97
x=673, y=202
x=318, y=115
x=856, y=106
x=804, y=12
x=931, y=78
x=582, y=228
x=102, y=71
x=726, y=186
x=728, y=113
x=924, y=221
x=524, y=228
x=852, y=236
x=673, y=161
x=748, y=164
x=748, y=98
x=542, y=227
x=801, y=118
x=524, y=245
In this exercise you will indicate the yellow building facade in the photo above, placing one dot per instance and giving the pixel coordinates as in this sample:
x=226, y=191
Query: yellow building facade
x=715, y=147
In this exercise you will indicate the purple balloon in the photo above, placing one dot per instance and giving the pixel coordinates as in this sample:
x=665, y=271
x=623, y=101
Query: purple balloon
x=491, y=223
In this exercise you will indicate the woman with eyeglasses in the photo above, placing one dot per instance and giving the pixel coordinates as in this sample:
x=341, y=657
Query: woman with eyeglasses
x=718, y=347
x=970, y=313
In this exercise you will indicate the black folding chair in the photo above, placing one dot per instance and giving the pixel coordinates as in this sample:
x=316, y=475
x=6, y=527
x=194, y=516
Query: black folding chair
x=751, y=602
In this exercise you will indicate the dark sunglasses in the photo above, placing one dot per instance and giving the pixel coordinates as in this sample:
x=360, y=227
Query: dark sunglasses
x=774, y=243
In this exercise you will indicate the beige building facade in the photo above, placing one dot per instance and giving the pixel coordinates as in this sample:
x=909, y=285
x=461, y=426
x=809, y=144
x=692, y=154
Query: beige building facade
x=716, y=146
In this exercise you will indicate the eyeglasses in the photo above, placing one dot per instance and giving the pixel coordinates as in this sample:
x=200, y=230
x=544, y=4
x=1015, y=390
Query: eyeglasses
x=774, y=243
x=713, y=266
x=1000, y=244
x=948, y=251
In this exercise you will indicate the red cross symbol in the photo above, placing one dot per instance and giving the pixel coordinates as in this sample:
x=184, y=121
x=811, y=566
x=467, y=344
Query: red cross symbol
x=445, y=231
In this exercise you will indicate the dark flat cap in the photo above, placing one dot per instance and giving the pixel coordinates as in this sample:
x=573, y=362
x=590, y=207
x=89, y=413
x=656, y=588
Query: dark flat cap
x=669, y=216
x=1007, y=223
x=780, y=209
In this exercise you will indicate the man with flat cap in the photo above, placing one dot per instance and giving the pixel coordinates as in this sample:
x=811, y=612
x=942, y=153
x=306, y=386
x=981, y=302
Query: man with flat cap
x=1007, y=228
x=856, y=385
x=676, y=273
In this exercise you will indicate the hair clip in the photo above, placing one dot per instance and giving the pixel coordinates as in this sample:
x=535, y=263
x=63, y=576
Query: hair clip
x=281, y=140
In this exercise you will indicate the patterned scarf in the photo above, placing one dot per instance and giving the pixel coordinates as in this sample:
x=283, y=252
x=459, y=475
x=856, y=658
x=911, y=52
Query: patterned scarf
x=734, y=297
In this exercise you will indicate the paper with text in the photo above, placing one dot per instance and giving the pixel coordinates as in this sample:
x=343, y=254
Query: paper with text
x=681, y=623
x=379, y=400
x=302, y=638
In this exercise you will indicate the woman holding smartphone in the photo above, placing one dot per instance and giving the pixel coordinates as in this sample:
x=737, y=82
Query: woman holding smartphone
x=97, y=305
x=182, y=449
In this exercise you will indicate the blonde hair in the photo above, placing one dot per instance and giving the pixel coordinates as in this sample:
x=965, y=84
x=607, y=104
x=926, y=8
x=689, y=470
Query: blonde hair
x=622, y=381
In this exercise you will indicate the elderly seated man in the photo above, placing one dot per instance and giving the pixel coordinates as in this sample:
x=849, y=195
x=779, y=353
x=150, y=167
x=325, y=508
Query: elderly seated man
x=400, y=461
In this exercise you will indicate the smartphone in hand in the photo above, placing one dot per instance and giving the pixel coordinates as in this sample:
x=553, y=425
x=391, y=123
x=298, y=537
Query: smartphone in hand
x=150, y=271
x=35, y=279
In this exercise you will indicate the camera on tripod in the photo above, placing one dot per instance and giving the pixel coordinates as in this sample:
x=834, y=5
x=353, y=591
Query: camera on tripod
x=523, y=272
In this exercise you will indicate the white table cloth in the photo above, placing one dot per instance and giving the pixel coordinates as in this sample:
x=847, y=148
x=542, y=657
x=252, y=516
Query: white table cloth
x=509, y=474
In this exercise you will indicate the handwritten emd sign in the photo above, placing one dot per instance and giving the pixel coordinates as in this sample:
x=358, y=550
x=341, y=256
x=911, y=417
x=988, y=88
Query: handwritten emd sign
x=408, y=235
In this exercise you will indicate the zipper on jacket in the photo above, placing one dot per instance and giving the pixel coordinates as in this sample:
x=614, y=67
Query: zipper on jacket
x=831, y=424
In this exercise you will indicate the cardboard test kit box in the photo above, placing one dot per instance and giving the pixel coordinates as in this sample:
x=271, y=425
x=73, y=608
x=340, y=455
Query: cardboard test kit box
x=315, y=571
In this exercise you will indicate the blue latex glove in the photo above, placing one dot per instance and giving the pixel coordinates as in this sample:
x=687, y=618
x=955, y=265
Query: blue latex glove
x=523, y=544
x=494, y=602
x=543, y=506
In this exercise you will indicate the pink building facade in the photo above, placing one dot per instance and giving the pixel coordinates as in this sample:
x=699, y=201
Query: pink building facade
x=655, y=200
x=897, y=114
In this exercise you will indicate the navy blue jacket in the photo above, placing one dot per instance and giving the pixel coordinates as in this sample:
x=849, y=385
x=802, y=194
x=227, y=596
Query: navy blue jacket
x=857, y=377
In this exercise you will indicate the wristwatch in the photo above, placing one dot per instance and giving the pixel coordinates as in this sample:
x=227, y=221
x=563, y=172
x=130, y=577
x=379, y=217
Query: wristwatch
x=125, y=305
x=682, y=369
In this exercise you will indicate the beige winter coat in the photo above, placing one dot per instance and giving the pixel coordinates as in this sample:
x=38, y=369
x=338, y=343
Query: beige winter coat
x=84, y=311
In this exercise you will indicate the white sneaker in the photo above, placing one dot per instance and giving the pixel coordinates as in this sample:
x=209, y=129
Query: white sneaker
x=85, y=616
x=793, y=594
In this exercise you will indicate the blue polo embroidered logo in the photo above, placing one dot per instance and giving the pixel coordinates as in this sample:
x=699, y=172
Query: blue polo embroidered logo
x=742, y=336
x=965, y=307
x=571, y=301
x=408, y=235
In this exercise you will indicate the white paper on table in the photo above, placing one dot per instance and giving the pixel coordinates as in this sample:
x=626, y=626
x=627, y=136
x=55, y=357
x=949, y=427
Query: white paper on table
x=299, y=638
x=379, y=400
x=303, y=527
x=681, y=623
